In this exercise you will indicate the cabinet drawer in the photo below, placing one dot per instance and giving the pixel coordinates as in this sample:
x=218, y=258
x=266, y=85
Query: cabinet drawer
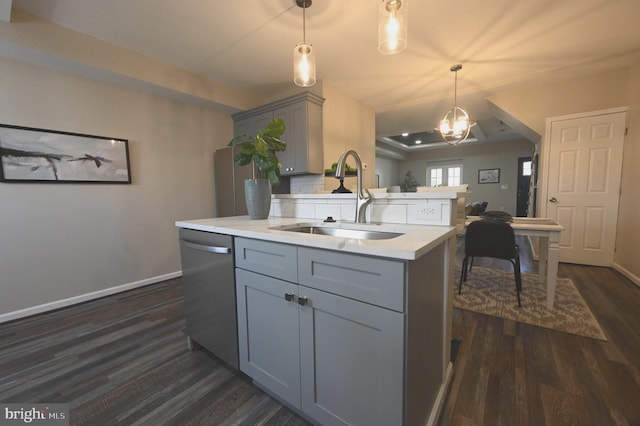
x=368, y=279
x=267, y=258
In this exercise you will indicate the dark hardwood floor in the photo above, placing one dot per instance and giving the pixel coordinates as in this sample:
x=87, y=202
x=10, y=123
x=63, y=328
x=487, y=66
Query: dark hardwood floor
x=123, y=360
x=510, y=373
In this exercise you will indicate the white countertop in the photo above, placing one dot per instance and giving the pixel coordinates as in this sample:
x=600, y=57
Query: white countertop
x=415, y=241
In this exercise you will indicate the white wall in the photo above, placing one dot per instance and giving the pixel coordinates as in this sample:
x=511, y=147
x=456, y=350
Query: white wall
x=388, y=169
x=533, y=104
x=61, y=241
x=347, y=124
x=495, y=155
x=628, y=235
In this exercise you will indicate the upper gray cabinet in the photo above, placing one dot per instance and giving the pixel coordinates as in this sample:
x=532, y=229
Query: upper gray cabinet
x=302, y=116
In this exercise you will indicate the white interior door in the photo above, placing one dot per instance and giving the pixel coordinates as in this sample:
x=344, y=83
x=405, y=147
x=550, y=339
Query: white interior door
x=583, y=184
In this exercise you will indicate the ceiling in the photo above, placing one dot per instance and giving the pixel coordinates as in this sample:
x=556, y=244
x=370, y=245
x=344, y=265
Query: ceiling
x=248, y=44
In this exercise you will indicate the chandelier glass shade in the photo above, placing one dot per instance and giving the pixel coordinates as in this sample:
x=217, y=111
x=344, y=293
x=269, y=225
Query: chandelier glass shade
x=304, y=65
x=455, y=124
x=304, y=58
x=392, y=26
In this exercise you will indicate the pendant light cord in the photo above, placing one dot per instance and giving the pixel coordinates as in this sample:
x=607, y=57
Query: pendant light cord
x=455, y=97
x=304, y=22
x=455, y=90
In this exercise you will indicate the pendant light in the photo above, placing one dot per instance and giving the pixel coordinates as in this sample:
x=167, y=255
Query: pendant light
x=304, y=58
x=392, y=26
x=455, y=124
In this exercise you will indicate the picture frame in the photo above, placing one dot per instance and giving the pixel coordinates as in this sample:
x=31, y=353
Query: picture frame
x=30, y=155
x=489, y=176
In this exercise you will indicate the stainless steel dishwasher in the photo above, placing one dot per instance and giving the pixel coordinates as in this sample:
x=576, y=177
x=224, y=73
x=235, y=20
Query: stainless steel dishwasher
x=209, y=293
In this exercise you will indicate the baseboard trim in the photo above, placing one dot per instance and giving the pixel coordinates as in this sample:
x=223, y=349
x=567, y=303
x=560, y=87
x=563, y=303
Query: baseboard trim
x=634, y=278
x=441, y=399
x=57, y=304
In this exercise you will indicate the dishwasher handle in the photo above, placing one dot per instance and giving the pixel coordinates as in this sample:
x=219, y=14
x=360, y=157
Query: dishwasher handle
x=202, y=247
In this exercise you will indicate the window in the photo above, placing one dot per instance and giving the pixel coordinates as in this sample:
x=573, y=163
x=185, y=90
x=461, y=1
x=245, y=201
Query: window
x=436, y=177
x=526, y=168
x=444, y=174
x=454, y=176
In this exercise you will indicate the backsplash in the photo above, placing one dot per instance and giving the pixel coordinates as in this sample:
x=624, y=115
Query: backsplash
x=307, y=184
x=434, y=208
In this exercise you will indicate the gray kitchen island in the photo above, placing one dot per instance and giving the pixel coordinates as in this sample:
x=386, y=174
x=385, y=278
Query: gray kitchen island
x=352, y=328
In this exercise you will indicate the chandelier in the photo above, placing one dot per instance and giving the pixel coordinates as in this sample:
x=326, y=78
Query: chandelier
x=455, y=125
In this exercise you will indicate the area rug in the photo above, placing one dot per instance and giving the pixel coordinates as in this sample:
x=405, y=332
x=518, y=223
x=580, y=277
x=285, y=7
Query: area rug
x=493, y=292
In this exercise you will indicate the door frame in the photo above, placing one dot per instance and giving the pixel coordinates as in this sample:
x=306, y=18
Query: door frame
x=545, y=149
x=521, y=161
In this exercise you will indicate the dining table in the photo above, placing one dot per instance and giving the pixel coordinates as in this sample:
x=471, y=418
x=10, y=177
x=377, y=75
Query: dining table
x=548, y=232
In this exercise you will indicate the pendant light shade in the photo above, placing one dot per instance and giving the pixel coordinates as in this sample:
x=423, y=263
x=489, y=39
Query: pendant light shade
x=304, y=65
x=304, y=58
x=392, y=26
x=455, y=124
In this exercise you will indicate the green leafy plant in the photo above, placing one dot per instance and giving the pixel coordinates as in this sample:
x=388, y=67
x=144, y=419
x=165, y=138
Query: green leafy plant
x=332, y=171
x=409, y=184
x=261, y=151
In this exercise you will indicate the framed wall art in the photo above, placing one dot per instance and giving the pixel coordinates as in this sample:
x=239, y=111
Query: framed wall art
x=38, y=155
x=489, y=176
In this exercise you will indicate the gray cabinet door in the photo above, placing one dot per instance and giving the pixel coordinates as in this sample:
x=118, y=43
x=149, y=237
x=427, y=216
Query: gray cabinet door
x=352, y=361
x=261, y=120
x=268, y=334
x=295, y=158
x=300, y=134
x=243, y=127
x=302, y=115
x=251, y=126
x=304, y=135
x=292, y=137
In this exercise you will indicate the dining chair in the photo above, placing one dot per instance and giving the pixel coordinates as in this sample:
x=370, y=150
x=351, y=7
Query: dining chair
x=491, y=238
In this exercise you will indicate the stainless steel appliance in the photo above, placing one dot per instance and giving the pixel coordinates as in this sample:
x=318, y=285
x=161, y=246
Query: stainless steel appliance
x=209, y=292
x=229, y=184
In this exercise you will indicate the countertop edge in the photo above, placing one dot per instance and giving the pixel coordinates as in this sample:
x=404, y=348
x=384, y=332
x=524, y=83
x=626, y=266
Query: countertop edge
x=415, y=241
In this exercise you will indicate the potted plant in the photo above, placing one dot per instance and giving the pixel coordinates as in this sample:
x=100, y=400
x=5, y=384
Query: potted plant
x=349, y=171
x=409, y=184
x=260, y=152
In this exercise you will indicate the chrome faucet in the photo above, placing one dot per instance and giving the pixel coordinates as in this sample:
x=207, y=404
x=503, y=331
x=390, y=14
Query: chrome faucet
x=363, y=199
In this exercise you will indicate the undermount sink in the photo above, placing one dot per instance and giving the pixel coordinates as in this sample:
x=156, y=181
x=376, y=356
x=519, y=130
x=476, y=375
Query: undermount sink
x=359, y=234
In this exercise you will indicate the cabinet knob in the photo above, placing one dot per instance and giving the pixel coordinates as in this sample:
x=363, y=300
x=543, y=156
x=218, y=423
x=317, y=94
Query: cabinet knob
x=302, y=301
x=288, y=297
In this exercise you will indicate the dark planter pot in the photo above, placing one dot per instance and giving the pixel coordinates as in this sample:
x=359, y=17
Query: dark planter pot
x=257, y=193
